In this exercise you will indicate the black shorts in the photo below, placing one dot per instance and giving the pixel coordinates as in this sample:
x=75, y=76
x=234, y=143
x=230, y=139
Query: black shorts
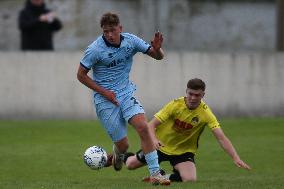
x=173, y=159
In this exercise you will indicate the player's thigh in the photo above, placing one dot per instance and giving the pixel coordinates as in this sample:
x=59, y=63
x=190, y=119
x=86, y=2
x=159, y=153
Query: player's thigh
x=138, y=121
x=112, y=120
x=187, y=171
x=134, y=114
x=132, y=110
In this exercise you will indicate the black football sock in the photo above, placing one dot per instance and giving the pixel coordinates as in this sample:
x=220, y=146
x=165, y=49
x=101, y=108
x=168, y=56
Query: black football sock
x=127, y=155
x=175, y=177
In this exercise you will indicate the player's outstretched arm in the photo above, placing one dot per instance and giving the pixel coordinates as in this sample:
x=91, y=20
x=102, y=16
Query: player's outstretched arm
x=156, y=50
x=226, y=144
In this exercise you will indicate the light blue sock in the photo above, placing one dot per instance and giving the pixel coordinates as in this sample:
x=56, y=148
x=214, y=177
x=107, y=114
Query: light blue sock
x=152, y=162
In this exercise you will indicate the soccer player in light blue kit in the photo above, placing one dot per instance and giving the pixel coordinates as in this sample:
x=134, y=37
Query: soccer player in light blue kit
x=110, y=57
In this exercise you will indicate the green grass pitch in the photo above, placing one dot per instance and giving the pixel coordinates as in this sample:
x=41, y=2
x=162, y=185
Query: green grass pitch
x=48, y=155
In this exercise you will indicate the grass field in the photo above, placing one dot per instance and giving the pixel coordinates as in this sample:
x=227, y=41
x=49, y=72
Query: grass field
x=48, y=154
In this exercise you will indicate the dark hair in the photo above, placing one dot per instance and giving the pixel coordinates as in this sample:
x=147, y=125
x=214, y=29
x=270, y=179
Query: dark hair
x=196, y=84
x=109, y=19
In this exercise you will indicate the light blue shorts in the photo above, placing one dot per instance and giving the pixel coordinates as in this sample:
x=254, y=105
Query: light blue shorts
x=115, y=118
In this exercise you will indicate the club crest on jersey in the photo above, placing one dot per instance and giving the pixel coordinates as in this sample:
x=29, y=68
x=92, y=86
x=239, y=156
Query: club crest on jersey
x=194, y=120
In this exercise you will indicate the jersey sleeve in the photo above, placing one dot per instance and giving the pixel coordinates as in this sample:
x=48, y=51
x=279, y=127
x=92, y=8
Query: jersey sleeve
x=89, y=59
x=212, y=120
x=165, y=113
x=140, y=45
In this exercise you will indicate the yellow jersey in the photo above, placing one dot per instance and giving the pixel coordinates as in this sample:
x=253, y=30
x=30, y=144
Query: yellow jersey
x=181, y=127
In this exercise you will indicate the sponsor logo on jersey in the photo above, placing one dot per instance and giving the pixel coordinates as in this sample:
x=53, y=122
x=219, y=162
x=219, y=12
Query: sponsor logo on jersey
x=115, y=63
x=181, y=126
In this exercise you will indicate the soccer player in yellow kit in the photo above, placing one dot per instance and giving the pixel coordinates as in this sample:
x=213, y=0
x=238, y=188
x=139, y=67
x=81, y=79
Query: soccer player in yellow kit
x=176, y=129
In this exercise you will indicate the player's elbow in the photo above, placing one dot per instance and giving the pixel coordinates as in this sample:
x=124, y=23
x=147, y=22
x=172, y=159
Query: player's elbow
x=82, y=73
x=80, y=76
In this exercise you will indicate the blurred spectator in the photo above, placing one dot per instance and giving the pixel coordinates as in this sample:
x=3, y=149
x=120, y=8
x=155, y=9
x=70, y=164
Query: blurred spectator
x=37, y=24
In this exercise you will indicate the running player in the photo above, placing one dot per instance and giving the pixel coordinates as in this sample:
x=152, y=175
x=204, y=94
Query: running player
x=110, y=58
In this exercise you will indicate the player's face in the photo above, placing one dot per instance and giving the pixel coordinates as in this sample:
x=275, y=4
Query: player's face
x=193, y=98
x=112, y=33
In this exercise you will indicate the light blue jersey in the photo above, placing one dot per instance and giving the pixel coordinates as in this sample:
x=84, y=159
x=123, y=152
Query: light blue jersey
x=111, y=65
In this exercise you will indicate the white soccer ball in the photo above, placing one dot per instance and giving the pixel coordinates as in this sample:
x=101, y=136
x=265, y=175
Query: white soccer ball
x=95, y=157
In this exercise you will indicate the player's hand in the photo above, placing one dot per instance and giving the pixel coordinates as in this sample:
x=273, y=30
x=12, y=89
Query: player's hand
x=110, y=95
x=239, y=163
x=158, y=144
x=157, y=41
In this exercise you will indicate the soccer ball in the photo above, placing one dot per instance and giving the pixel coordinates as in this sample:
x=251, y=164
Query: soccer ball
x=95, y=157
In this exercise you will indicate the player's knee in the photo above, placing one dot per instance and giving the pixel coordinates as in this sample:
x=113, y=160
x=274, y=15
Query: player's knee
x=131, y=163
x=189, y=178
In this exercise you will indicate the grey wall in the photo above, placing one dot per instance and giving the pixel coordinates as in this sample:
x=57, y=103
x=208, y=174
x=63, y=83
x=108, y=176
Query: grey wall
x=186, y=25
x=44, y=85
